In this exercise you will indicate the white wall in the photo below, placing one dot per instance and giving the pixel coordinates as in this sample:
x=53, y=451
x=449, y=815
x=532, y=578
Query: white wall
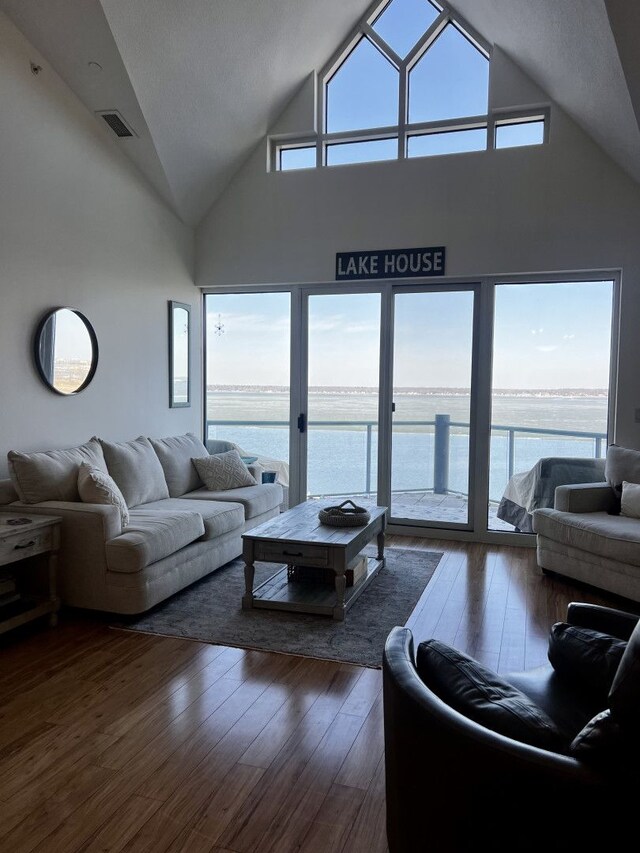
x=80, y=227
x=562, y=206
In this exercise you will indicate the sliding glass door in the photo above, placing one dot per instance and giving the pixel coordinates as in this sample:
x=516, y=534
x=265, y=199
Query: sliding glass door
x=550, y=394
x=433, y=344
x=444, y=402
x=247, y=375
x=341, y=411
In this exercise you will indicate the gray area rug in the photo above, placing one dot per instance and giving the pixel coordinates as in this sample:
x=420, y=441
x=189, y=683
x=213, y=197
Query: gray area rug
x=210, y=610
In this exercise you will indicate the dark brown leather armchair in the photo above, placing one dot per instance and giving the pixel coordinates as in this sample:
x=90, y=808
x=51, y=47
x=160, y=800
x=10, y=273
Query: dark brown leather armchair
x=454, y=785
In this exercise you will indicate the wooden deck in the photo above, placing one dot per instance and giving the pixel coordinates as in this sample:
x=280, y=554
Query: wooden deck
x=117, y=741
x=426, y=506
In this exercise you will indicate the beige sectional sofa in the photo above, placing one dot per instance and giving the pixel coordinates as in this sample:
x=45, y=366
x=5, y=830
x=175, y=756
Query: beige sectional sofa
x=177, y=531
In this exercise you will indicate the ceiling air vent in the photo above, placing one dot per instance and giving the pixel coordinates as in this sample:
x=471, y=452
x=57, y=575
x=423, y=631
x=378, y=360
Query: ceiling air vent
x=117, y=124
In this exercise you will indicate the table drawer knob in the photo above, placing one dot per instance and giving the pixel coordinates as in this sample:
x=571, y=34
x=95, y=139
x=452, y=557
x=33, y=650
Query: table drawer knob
x=25, y=545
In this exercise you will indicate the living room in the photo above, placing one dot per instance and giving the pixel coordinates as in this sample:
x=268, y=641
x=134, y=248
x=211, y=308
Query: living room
x=195, y=209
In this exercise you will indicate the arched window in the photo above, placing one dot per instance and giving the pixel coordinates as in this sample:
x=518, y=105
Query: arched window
x=411, y=81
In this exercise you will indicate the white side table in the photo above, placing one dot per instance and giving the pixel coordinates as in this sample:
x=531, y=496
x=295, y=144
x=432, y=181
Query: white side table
x=21, y=536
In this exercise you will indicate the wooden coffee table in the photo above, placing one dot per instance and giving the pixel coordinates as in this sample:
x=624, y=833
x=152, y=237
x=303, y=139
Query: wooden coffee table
x=297, y=538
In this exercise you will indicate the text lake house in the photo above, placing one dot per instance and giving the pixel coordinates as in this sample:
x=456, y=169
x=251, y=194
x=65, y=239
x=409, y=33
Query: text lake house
x=391, y=263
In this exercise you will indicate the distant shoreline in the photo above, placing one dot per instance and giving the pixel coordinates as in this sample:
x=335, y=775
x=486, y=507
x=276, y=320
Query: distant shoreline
x=597, y=393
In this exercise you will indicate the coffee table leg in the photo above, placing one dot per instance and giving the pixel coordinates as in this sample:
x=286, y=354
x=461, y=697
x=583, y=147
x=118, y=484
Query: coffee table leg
x=341, y=585
x=381, y=546
x=247, y=598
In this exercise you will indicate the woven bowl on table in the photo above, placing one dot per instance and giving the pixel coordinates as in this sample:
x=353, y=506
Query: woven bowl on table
x=345, y=515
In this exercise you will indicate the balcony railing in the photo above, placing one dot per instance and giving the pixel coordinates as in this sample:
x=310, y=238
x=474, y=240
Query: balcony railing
x=443, y=428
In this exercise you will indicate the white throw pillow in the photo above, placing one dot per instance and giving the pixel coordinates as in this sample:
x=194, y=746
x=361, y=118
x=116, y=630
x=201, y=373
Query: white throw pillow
x=222, y=471
x=630, y=505
x=97, y=487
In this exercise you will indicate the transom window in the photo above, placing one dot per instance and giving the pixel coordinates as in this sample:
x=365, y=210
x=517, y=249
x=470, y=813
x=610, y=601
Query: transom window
x=412, y=81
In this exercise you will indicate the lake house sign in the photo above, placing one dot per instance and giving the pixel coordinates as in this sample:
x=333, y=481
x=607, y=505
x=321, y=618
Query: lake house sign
x=390, y=263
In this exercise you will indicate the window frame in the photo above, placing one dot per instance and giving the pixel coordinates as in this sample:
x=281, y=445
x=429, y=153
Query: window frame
x=500, y=118
x=321, y=139
x=402, y=130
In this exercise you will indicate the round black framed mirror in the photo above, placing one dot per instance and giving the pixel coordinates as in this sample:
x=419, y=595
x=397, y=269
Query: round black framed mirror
x=65, y=349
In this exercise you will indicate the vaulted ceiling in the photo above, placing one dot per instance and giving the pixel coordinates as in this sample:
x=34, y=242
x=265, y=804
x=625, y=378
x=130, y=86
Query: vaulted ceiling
x=201, y=81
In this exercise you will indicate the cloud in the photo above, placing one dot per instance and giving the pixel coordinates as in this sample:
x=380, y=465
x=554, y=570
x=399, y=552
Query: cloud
x=360, y=328
x=547, y=348
x=330, y=323
x=247, y=322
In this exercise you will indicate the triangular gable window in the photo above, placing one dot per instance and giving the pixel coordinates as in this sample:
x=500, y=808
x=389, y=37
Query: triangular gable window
x=411, y=81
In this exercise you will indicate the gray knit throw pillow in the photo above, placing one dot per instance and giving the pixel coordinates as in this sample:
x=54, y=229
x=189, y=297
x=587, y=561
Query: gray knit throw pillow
x=222, y=471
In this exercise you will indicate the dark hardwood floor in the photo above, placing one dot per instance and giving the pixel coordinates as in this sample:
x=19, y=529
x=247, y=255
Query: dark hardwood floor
x=112, y=740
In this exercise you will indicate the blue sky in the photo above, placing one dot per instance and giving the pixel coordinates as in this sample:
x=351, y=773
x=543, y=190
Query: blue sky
x=546, y=336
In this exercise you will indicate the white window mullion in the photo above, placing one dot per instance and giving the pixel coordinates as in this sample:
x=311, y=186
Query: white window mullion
x=428, y=37
x=491, y=133
x=381, y=44
x=321, y=112
x=402, y=111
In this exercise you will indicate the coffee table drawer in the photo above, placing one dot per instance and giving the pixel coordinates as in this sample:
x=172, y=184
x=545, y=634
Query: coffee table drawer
x=280, y=552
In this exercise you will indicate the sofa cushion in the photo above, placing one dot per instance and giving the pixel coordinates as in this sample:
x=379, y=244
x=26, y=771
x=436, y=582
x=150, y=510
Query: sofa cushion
x=585, y=657
x=256, y=500
x=52, y=475
x=151, y=536
x=224, y=471
x=136, y=469
x=97, y=487
x=624, y=698
x=218, y=517
x=175, y=454
x=611, y=536
x=622, y=464
x=481, y=695
x=630, y=500
x=569, y=704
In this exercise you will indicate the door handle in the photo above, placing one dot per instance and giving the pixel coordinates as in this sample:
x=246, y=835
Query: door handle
x=302, y=422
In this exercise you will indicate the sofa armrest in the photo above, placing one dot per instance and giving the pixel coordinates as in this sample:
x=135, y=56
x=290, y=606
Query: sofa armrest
x=256, y=469
x=102, y=518
x=618, y=623
x=585, y=497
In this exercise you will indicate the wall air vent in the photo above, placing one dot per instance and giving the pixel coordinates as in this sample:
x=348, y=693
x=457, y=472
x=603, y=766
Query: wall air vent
x=117, y=124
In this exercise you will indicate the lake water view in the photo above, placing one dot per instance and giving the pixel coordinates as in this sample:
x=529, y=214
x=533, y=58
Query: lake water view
x=338, y=453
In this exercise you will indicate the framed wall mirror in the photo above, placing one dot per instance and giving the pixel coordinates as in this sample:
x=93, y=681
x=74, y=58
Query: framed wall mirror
x=179, y=355
x=65, y=350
